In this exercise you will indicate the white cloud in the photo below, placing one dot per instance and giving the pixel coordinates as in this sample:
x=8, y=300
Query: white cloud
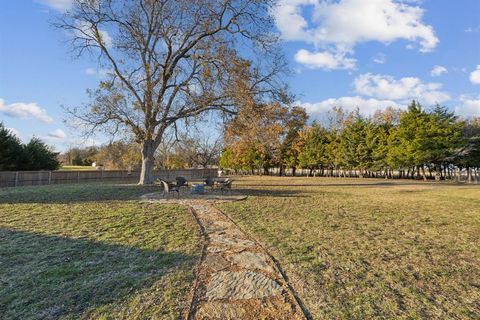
x=60, y=5
x=22, y=110
x=340, y=26
x=90, y=71
x=469, y=107
x=290, y=21
x=473, y=30
x=324, y=60
x=366, y=106
x=380, y=58
x=106, y=38
x=404, y=89
x=349, y=22
x=58, y=134
x=64, y=143
x=101, y=73
x=475, y=75
x=85, y=30
x=438, y=71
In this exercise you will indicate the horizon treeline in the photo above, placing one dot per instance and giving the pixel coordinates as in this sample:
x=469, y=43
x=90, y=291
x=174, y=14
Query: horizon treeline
x=185, y=152
x=415, y=143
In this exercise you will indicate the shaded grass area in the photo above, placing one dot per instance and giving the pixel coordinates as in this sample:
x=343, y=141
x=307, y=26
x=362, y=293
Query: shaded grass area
x=74, y=193
x=359, y=249
x=91, y=251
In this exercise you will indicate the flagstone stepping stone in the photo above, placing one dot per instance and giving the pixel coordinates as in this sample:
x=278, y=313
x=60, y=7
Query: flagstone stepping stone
x=222, y=242
x=220, y=310
x=236, y=278
x=216, y=262
x=241, y=285
x=251, y=260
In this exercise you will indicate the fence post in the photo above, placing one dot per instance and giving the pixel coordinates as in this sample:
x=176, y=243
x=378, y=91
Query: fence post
x=49, y=177
x=78, y=176
x=16, y=179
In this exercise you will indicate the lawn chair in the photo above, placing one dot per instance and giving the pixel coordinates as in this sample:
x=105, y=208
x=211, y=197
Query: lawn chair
x=225, y=185
x=181, y=182
x=170, y=187
x=209, y=182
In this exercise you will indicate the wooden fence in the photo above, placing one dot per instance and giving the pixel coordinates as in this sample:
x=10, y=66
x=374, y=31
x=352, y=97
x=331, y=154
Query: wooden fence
x=33, y=178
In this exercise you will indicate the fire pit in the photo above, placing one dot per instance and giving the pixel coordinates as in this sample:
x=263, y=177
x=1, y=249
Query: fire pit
x=197, y=189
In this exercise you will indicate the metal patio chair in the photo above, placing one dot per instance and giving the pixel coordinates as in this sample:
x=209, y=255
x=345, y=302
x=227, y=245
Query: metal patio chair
x=225, y=185
x=170, y=187
x=209, y=182
x=181, y=182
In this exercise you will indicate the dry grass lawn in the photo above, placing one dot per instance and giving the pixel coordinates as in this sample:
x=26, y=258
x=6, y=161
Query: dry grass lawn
x=362, y=249
x=353, y=249
x=93, y=251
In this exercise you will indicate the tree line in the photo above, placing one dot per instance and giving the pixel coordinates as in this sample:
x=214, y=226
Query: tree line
x=183, y=152
x=17, y=156
x=416, y=143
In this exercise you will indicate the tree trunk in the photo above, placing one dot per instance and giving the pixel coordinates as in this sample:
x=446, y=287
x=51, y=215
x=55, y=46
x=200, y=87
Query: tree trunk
x=423, y=173
x=146, y=175
x=438, y=172
x=265, y=171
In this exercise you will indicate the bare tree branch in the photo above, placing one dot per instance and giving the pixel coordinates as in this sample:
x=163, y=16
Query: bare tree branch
x=173, y=60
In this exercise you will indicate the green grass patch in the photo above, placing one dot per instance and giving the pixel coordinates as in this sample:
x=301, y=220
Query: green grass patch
x=93, y=251
x=362, y=249
x=76, y=168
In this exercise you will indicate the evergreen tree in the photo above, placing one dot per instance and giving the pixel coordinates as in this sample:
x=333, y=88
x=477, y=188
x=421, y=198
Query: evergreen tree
x=10, y=150
x=358, y=150
x=443, y=137
x=312, y=147
x=383, y=124
x=468, y=155
x=335, y=151
x=407, y=140
x=38, y=156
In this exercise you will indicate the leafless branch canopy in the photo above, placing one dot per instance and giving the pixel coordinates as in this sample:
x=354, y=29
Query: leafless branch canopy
x=174, y=59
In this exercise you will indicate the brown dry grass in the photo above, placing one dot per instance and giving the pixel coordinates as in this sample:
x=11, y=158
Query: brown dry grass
x=360, y=249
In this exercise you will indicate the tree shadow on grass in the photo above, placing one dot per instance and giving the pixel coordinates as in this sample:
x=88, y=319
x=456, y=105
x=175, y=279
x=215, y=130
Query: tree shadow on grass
x=71, y=193
x=51, y=277
x=269, y=192
x=95, y=192
x=347, y=184
x=383, y=184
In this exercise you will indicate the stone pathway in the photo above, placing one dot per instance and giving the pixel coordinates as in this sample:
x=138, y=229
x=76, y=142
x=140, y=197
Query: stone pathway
x=236, y=278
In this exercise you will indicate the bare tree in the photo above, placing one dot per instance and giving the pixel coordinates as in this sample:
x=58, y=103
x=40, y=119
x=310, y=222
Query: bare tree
x=200, y=150
x=172, y=60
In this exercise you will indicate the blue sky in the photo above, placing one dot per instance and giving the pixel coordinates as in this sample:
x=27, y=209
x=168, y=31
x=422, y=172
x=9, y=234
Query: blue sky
x=351, y=53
